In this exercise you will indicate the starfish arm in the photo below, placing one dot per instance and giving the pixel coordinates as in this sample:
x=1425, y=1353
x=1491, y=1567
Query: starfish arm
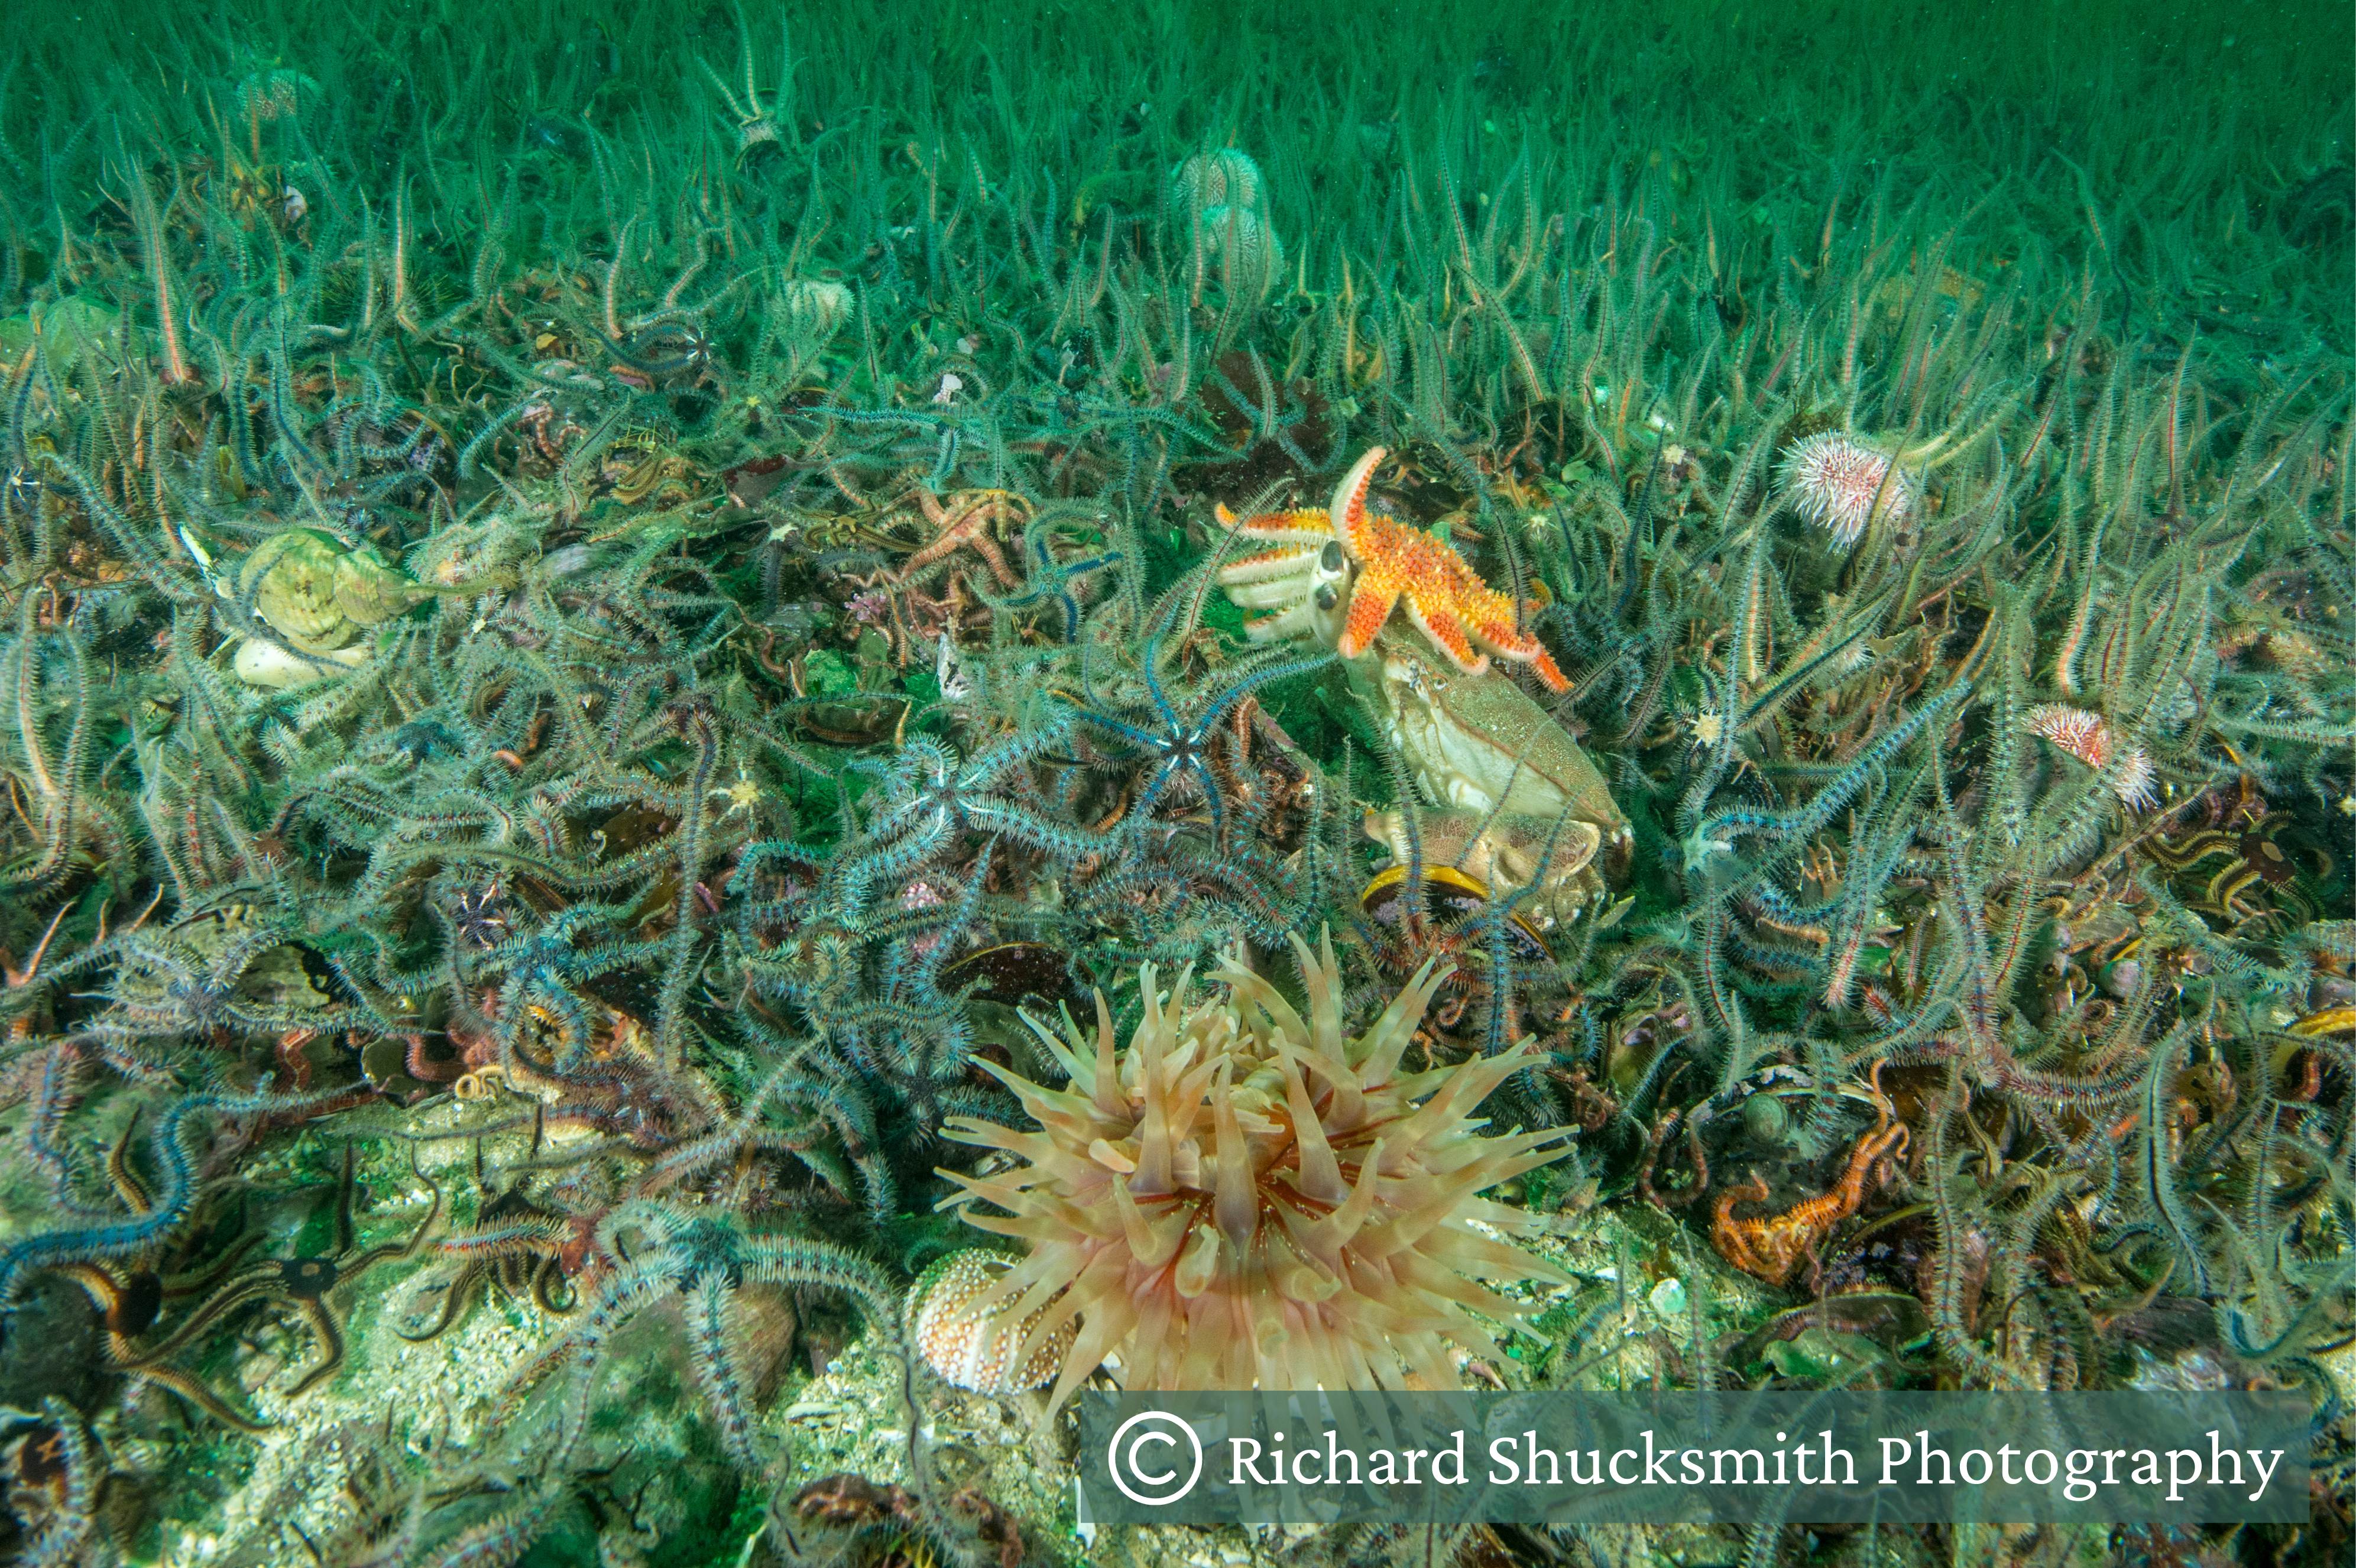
x=1210, y=788
x=1447, y=634
x=1500, y=638
x=968, y=526
x=1369, y=608
x=946, y=545
x=1350, y=520
x=550, y=1290
x=105, y=1293
x=455, y=1300
x=1022, y=600
x=1127, y=732
x=344, y=1205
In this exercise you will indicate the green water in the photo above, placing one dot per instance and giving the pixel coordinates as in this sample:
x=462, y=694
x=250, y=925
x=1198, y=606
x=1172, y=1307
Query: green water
x=596, y=604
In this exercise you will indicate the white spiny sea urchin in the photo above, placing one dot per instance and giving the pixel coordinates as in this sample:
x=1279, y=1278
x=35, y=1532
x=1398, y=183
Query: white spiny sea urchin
x=1247, y=1199
x=1840, y=484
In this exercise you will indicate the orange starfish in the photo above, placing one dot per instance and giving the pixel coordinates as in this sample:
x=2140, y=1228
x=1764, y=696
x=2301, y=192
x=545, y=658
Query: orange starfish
x=1394, y=564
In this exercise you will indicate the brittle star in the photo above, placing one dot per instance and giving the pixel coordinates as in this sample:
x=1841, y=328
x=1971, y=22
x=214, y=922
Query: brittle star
x=968, y=524
x=1051, y=579
x=305, y=1281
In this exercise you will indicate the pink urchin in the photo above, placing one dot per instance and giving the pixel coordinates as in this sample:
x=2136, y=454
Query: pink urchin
x=2086, y=736
x=2081, y=734
x=1832, y=479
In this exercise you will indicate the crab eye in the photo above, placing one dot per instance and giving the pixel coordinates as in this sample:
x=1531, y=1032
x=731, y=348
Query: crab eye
x=1328, y=596
x=1330, y=558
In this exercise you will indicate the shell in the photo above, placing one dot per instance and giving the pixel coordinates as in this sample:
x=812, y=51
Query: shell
x=369, y=592
x=1765, y=1118
x=1478, y=742
x=290, y=579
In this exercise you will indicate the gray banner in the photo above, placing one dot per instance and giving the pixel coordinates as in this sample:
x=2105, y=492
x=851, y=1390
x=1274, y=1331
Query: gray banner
x=1317, y=1459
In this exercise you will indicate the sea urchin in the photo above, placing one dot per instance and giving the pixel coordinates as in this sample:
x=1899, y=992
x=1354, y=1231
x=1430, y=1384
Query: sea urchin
x=1244, y=1199
x=1840, y=484
x=2086, y=736
x=972, y=1348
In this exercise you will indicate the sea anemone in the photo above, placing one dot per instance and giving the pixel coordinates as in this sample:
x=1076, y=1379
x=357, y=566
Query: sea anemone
x=1840, y=484
x=1246, y=1200
x=2086, y=736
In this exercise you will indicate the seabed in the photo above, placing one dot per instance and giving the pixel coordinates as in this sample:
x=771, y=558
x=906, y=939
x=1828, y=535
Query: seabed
x=735, y=743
